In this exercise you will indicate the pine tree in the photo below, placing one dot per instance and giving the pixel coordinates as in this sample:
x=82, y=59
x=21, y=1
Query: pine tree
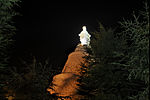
x=104, y=76
x=120, y=70
x=7, y=31
x=136, y=35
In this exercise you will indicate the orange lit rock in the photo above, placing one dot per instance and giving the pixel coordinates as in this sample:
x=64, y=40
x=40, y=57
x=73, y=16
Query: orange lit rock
x=65, y=84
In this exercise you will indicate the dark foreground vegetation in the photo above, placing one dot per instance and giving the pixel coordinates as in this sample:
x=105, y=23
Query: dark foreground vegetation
x=119, y=71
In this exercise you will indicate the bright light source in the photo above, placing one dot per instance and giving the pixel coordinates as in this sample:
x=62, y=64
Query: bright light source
x=84, y=37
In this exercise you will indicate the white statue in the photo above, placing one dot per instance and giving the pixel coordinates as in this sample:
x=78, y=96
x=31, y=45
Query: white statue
x=84, y=37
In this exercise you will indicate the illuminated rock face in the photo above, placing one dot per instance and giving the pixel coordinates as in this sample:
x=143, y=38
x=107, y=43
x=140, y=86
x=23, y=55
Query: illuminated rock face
x=65, y=84
x=84, y=37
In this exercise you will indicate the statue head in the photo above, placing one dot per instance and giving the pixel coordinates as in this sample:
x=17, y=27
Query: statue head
x=84, y=28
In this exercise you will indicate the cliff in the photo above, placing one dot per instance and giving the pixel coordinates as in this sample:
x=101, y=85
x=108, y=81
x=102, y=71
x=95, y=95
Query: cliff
x=65, y=84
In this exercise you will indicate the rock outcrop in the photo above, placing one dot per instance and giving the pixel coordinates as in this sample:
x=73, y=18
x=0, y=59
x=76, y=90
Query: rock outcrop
x=65, y=84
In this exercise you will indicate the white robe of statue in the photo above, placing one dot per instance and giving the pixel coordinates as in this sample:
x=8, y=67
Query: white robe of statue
x=84, y=37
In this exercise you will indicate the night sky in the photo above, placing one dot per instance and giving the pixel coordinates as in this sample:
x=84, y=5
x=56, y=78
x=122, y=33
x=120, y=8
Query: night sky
x=52, y=28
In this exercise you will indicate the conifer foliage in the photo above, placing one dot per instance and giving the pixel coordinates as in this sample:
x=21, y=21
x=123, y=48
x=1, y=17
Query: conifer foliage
x=7, y=31
x=120, y=69
x=136, y=36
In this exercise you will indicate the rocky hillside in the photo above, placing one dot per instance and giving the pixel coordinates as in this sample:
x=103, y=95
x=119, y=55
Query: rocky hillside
x=65, y=84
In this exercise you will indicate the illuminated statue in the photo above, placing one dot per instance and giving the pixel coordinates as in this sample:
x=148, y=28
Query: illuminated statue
x=84, y=37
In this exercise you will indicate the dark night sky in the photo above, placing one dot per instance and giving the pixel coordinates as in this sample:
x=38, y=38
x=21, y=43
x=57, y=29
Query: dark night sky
x=48, y=28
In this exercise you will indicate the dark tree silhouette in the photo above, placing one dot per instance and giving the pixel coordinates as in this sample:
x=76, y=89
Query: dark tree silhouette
x=7, y=31
x=120, y=69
